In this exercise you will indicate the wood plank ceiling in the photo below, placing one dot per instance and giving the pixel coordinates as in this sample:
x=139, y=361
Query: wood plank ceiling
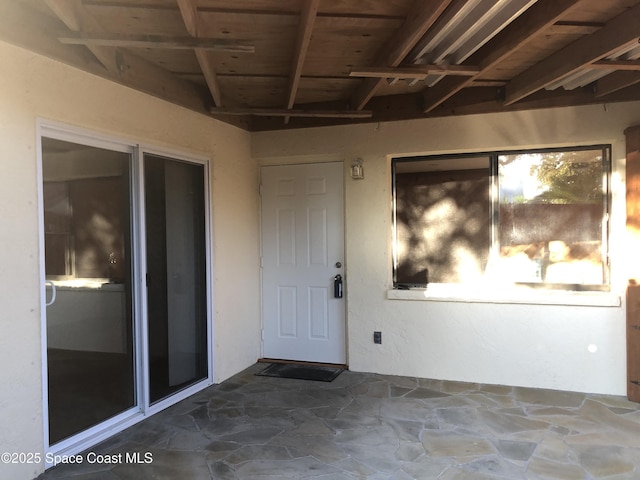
x=275, y=64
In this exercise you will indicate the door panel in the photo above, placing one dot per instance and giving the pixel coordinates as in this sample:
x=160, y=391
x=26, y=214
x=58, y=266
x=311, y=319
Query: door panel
x=286, y=240
x=303, y=239
x=318, y=314
x=90, y=353
x=287, y=326
x=176, y=267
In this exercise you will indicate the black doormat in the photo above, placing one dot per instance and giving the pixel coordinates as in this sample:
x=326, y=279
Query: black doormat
x=301, y=372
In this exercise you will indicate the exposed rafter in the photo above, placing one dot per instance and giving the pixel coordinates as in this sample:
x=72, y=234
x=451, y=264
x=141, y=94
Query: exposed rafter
x=189, y=12
x=615, y=82
x=307, y=19
x=574, y=28
x=524, y=29
x=157, y=41
x=416, y=72
x=323, y=62
x=120, y=65
x=422, y=16
x=293, y=112
x=617, y=65
x=68, y=12
x=75, y=17
x=616, y=34
x=38, y=37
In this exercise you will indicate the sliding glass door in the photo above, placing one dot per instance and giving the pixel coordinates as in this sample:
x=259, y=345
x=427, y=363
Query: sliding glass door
x=87, y=239
x=126, y=274
x=176, y=274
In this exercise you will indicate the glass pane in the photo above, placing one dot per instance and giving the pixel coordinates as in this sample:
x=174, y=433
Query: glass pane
x=176, y=267
x=443, y=220
x=551, y=217
x=87, y=257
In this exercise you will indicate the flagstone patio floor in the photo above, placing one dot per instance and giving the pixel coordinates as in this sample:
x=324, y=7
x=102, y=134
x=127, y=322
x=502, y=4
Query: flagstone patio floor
x=369, y=426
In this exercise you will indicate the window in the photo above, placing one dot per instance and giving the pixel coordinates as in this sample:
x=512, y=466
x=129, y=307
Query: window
x=536, y=218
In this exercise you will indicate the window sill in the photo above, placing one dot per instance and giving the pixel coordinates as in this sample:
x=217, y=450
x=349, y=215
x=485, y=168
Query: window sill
x=508, y=295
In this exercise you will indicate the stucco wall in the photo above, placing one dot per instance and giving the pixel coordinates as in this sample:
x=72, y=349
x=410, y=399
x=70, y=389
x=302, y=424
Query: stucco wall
x=492, y=340
x=33, y=87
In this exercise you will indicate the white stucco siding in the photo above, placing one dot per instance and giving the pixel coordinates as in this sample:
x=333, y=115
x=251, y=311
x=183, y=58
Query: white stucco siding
x=537, y=345
x=32, y=88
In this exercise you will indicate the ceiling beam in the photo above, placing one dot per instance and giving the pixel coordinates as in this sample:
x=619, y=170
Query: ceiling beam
x=417, y=72
x=471, y=101
x=157, y=41
x=209, y=71
x=616, y=64
x=616, y=34
x=531, y=24
x=308, y=15
x=127, y=68
x=293, y=112
x=189, y=12
x=67, y=12
x=616, y=81
x=37, y=31
x=574, y=28
x=76, y=18
x=421, y=16
x=480, y=100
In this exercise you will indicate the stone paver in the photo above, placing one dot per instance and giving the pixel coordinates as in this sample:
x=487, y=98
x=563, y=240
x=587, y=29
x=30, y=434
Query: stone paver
x=375, y=427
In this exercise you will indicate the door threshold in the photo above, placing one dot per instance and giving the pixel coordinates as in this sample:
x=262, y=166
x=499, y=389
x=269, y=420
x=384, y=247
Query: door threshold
x=300, y=362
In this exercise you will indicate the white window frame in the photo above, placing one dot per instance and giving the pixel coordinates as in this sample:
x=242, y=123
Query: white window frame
x=486, y=293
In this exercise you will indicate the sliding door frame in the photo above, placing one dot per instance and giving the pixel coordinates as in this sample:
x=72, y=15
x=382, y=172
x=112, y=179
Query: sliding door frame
x=141, y=150
x=142, y=407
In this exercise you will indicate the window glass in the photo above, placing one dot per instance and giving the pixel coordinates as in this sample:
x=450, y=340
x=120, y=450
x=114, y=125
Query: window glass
x=86, y=219
x=551, y=217
x=443, y=220
x=535, y=218
x=90, y=358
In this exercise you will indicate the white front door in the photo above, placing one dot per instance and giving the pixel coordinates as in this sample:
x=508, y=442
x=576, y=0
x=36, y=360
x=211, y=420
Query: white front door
x=302, y=253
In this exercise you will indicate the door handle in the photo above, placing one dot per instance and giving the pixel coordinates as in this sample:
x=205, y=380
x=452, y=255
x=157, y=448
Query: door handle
x=53, y=293
x=337, y=286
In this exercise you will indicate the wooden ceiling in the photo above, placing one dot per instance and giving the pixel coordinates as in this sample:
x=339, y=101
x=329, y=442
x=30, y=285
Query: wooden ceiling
x=275, y=64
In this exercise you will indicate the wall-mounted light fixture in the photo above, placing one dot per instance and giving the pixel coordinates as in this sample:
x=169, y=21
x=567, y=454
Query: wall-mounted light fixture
x=357, y=170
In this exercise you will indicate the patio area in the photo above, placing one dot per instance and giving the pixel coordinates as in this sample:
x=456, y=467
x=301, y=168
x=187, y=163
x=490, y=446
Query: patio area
x=368, y=426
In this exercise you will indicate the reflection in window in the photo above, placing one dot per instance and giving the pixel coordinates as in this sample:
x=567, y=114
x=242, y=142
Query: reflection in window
x=89, y=323
x=535, y=218
x=551, y=217
x=86, y=216
x=443, y=220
